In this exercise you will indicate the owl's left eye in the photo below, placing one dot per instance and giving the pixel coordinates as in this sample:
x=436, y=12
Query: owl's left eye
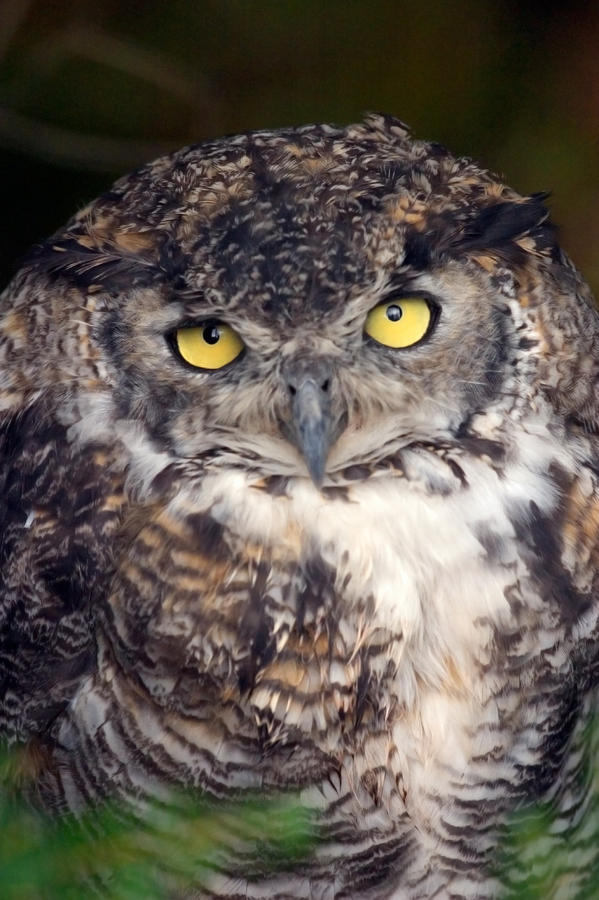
x=210, y=345
x=399, y=322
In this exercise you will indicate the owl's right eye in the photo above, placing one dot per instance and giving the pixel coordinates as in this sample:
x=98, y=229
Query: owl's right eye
x=400, y=322
x=210, y=345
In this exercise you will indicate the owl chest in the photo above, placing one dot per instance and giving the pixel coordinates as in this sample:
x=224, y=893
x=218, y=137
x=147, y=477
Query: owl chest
x=371, y=636
x=307, y=634
x=375, y=610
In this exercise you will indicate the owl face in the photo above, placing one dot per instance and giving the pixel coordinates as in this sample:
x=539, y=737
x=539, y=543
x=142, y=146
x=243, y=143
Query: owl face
x=298, y=303
x=256, y=403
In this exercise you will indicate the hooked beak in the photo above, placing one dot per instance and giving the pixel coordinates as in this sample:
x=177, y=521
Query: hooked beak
x=310, y=427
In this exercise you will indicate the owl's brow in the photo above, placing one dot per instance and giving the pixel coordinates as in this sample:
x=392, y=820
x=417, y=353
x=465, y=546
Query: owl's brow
x=361, y=302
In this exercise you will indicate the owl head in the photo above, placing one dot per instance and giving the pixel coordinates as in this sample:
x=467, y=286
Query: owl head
x=299, y=303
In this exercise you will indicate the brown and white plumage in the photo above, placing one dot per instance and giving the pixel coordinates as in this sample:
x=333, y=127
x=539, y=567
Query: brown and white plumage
x=408, y=638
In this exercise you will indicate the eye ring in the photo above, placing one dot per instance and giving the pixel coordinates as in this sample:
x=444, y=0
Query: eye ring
x=401, y=322
x=206, y=346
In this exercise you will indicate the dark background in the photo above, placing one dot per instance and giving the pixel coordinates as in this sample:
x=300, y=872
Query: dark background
x=89, y=89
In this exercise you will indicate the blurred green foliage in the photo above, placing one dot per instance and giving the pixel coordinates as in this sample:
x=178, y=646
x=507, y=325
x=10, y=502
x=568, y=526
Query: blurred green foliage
x=531, y=830
x=151, y=854
x=91, y=88
x=157, y=849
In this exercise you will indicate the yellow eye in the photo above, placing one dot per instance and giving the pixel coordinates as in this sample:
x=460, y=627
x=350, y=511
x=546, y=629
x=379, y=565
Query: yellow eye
x=399, y=322
x=210, y=345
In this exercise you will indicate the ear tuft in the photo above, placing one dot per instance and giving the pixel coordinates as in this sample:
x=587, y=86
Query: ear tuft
x=497, y=226
x=109, y=268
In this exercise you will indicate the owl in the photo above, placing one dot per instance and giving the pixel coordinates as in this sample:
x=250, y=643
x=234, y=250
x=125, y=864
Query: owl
x=299, y=466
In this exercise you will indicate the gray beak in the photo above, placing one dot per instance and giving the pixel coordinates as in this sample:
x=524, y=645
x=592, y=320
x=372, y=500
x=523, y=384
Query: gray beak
x=310, y=426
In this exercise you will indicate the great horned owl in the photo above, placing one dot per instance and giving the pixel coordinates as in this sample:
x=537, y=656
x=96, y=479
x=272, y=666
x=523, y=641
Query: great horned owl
x=300, y=492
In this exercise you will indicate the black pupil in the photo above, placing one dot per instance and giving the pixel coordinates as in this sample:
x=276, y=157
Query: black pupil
x=211, y=334
x=394, y=313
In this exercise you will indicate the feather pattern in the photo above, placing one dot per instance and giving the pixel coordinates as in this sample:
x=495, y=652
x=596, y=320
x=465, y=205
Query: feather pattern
x=411, y=645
